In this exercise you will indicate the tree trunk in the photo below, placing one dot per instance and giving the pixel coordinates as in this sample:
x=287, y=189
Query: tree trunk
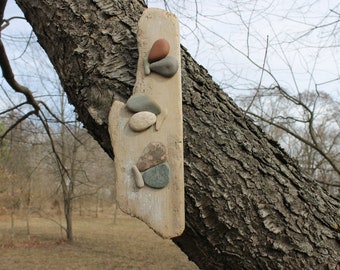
x=68, y=209
x=248, y=205
x=28, y=207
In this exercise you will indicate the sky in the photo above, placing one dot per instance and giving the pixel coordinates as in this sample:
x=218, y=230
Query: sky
x=30, y=65
x=299, y=41
x=233, y=40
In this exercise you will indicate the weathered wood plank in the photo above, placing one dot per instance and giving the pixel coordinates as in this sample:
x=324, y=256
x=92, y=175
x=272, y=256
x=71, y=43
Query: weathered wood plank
x=161, y=208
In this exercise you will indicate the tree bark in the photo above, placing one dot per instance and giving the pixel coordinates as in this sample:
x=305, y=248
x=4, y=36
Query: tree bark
x=248, y=205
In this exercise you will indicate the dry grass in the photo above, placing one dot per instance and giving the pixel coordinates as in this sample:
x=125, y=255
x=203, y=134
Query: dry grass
x=99, y=244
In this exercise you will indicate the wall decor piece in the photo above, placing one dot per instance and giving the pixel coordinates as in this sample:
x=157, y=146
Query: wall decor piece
x=146, y=132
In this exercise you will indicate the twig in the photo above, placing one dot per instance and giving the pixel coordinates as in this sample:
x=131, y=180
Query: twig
x=13, y=108
x=60, y=121
x=300, y=138
x=5, y=22
x=16, y=123
x=260, y=82
x=26, y=47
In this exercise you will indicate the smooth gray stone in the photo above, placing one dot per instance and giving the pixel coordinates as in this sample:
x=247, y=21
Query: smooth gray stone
x=142, y=102
x=166, y=67
x=158, y=176
x=154, y=153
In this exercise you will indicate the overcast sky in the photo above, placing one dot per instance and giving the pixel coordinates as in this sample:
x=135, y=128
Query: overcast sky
x=224, y=36
x=303, y=51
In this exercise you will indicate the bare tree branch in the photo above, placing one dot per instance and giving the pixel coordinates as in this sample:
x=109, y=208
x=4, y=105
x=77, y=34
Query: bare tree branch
x=260, y=82
x=9, y=76
x=13, y=108
x=21, y=119
x=302, y=139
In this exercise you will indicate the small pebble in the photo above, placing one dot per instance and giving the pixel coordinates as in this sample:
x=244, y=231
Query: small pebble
x=158, y=176
x=159, y=50
x=153, y=154
x=142, y=102
x=142, y=120
x=166, y=67
x=138, y=177
x=146, y=66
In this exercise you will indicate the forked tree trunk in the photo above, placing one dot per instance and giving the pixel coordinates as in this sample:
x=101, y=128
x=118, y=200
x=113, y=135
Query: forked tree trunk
x=248, y=205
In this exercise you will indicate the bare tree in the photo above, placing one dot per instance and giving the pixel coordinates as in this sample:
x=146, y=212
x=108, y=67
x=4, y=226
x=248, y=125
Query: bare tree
x=16, y=166
x=309, y=129
x=46, y=116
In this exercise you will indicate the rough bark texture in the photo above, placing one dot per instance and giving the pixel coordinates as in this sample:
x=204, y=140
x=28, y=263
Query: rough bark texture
x=248, y=205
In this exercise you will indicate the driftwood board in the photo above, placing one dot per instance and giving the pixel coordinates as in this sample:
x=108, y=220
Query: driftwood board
x=162, y=209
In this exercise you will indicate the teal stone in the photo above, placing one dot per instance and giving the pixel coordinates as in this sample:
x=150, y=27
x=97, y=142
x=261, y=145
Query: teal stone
x=157, y=176
x=142, y=102
x=166, y=67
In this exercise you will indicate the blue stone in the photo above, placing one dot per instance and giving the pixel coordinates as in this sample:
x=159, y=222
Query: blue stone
x=157, y=176
x=142, y=102
x=166, y=67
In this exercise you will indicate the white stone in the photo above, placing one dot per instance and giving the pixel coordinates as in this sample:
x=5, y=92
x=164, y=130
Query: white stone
x=142, y=120
x=138, y=177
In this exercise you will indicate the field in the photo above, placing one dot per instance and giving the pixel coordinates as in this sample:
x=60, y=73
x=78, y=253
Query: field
x=99, y=244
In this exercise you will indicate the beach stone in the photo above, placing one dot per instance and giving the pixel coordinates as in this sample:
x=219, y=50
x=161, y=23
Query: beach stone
x=159, y=50
x=142, y=120
x=154, y=153
x=146, y=66
x=166, y=67
x=157, y=176
x=141, y=102
x=138, y=177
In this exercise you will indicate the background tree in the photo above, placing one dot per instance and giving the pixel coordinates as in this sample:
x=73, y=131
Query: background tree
x=239, y=184
x=307, y=126
x=54, y=123
x=31, y=179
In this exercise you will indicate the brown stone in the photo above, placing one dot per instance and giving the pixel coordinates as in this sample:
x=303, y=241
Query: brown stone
x=153, y=154
x=159, y=50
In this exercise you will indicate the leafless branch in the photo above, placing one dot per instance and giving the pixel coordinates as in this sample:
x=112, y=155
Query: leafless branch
x=13, y=108
x=302, y=139
x=21, y=119
x=26, y=47
x=5, y=22
x=260, y=82
x=60, y=121
x=9, y=76
x=44, y=214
